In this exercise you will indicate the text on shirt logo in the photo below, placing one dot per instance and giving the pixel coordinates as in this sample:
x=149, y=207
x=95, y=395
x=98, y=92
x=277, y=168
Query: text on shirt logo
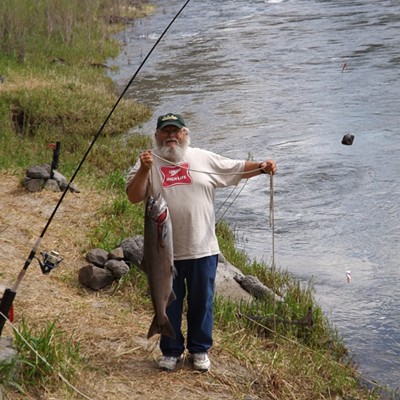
x=173, y=175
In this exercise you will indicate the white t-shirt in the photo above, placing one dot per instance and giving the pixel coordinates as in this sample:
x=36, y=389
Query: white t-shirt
x=190, y=197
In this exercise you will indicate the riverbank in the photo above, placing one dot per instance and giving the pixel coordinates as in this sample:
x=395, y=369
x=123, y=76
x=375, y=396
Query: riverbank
x=109, y=326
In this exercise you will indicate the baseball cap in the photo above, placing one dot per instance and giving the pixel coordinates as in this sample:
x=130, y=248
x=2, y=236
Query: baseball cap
x=170, y=119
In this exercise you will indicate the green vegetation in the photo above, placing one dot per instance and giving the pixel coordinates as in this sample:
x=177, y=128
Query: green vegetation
x=52, y=54
x=44, y=355
x=55, y=88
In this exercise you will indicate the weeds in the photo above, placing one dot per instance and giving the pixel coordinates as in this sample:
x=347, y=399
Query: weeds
x=57, y=28
x=42, y=355
x=55, y=88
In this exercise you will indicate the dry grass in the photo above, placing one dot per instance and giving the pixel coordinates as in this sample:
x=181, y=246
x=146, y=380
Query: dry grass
x=119, y=360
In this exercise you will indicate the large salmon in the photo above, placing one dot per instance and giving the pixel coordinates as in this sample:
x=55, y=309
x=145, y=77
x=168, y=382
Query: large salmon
x=158, y=263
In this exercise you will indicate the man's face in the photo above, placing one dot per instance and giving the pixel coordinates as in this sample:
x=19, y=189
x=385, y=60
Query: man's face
x=170, y=136
x=172, y=142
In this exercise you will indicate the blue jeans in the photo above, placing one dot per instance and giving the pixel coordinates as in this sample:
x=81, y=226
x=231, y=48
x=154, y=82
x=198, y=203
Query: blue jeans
x=198, y=278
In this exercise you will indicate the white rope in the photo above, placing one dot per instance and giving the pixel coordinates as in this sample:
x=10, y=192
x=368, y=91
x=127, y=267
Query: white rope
x=205, y=172
x=44, y=360
x=272, y=218
x=272, y=226
x=271, y=203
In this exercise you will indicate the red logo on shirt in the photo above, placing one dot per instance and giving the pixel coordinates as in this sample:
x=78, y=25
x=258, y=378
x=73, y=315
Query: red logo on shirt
x=176, y=175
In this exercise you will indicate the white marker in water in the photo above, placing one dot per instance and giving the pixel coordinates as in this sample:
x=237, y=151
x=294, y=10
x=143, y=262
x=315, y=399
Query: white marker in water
x=348, y=275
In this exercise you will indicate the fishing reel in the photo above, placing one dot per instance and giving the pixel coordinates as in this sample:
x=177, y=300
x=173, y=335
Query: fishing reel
x=50, y=261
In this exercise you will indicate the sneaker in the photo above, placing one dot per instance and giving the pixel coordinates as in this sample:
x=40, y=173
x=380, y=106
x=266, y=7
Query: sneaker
x=168, y=363
x=201, y=362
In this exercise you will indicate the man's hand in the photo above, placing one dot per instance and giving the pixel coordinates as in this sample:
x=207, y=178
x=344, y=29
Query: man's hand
x=146, y=160
x=269, y=167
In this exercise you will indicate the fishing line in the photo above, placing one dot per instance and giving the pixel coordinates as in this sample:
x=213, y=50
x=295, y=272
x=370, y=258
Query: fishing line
x=100, y=131
x=271, y=210
x=271, y=204
x=232, y=202
x=9, y=294
x=227, y=198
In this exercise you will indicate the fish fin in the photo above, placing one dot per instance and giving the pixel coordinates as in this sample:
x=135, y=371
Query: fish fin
x=168, y=330
x=171, y=297
x=165, y=329
x=174, y=271
x=154, y=328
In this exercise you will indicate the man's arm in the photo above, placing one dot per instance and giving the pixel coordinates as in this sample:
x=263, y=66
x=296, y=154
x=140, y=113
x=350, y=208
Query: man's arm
x=138, y=185
x=254, y=168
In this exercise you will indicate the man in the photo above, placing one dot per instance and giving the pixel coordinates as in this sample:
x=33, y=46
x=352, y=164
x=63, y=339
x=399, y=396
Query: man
x=187, y=178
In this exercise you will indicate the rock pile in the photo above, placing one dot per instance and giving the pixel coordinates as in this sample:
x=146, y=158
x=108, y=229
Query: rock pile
x=106, y=267
x=39, y=177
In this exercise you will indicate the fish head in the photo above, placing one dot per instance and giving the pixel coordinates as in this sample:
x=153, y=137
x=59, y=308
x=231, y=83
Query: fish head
x=157, y=208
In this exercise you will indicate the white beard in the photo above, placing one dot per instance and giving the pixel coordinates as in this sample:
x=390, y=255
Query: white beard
x=174, y=153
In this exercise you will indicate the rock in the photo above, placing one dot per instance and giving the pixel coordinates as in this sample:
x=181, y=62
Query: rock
x=73, y=188
x=348, y=139
x=94, y=277
x=39, y=172
x=61, y=179
x=33, y=185
x=51, y=184
x=133, y=250
x=116, y=254
x=97, y=257
x=225, y=284
x=7, y=351
x=117, y=268
x=57, y=183
x=8, y=356
x=63, y=182
x=255, y=287
x=230, y=282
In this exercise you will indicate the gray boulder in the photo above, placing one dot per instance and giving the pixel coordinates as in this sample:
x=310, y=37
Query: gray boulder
x=225, y=284
x=33, y=185
x=94, y=277
x=97, y=257
x=63, y=183
x=51, y=184
x=39, y=172
x=133, y=250
x=117, y=268
x=57, y=183
x=7, y=350
x=255, y=287
x=116, y=254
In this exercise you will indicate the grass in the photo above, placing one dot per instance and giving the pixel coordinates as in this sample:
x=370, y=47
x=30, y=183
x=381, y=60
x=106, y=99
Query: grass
x=44, y=354
x=55, y=88
x=52, y=57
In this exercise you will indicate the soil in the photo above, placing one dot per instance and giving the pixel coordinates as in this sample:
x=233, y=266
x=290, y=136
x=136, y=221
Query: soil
x=119, y=360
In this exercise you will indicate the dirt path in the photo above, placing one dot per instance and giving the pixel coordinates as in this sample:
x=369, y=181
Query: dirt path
x=110, y=331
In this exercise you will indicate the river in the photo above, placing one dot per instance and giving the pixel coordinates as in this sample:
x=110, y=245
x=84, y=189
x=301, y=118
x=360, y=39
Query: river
x=287, y=79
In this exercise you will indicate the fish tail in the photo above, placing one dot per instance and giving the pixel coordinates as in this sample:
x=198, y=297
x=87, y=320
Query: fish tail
x=165, y=329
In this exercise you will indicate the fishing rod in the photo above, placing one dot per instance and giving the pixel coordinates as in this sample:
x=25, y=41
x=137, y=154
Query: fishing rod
x=51, y=260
